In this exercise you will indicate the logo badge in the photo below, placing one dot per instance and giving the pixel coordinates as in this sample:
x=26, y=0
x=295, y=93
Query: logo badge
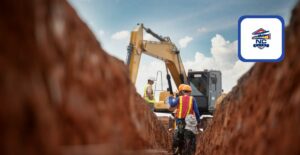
x=261, y=36
x=255, y=42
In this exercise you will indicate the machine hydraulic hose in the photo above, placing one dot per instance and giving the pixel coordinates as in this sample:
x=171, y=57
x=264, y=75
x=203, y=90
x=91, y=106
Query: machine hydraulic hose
x=160, y=38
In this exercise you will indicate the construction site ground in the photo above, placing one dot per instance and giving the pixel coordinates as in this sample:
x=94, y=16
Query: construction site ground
x=61, y=93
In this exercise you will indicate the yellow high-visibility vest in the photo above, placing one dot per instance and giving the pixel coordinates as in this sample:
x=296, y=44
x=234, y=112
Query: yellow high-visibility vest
x=147, y=97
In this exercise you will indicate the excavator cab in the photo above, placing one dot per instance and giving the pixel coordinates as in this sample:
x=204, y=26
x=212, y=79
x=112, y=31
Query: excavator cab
x=206, y=88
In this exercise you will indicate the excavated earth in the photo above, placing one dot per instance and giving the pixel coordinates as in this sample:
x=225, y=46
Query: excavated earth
x=261, y=115
x=61, y=93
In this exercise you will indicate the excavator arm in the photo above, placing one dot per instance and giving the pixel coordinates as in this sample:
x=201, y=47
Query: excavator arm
x=163, y=49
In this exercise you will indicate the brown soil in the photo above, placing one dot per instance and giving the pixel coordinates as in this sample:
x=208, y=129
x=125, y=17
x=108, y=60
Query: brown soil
x=61, y=93
x=261, y=115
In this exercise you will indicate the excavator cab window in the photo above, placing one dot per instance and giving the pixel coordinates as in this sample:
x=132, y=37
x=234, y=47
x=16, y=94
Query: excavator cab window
x=200, y=81
x=200, y=84
x=213, y=80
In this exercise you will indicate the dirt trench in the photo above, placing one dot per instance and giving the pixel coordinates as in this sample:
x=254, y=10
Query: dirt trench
x=61, y=93
x=261, y=115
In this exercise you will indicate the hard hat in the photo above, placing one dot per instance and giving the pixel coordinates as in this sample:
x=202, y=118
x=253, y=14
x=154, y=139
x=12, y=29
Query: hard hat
x=181, y=86
x=187, y=88
x=151, y=78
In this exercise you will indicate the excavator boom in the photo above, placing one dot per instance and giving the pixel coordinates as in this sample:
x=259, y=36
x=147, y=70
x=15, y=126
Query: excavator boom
x=163, y=49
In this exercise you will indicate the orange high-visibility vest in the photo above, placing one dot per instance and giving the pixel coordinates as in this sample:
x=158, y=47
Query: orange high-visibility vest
x=185, y=106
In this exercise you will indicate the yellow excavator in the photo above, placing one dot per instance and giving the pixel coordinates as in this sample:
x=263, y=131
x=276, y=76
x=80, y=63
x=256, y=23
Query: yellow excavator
x=206, y=85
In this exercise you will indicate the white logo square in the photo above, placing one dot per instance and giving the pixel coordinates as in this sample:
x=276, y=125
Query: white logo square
x=261, y=39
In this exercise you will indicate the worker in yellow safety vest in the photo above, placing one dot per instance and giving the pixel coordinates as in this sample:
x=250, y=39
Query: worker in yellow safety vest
x=149, y=94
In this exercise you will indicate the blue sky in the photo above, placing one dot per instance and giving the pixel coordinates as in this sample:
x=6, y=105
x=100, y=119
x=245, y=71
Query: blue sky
x=198, y=21
x=176, y=18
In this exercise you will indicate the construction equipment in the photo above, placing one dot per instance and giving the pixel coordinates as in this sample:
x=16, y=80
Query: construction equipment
x=206, y=85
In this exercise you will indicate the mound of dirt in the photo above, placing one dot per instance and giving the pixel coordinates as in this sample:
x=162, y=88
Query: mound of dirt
x=261, y=115
x=61, y=93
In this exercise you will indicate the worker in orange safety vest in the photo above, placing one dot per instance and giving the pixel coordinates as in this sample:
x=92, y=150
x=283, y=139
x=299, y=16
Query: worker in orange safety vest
x=186, y=105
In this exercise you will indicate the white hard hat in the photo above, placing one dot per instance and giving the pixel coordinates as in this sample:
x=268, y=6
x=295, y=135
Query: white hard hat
x=151, y=78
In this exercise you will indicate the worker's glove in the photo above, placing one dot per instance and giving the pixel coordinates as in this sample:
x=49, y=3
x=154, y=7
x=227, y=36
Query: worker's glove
x=168, y=100
x=171, y=98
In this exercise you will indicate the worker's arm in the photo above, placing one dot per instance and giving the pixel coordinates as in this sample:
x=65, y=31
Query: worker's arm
x=173, y=101
x=196, y=110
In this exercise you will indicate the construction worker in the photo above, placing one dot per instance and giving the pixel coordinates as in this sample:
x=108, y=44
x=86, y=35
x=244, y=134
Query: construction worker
x=149, y=94
x=186, y=105
x=178, y=93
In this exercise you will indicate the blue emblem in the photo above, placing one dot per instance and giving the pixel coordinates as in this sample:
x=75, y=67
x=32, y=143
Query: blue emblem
x=261, y=36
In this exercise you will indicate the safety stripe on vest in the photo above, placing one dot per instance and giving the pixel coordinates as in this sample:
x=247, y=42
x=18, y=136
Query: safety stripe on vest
x=180, y=107
x=190, y=105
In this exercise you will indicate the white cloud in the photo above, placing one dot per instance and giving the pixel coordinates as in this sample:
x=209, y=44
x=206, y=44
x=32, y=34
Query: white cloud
x=183, y=42
x=224, y=51
x=120, y=35
x=202, y=30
